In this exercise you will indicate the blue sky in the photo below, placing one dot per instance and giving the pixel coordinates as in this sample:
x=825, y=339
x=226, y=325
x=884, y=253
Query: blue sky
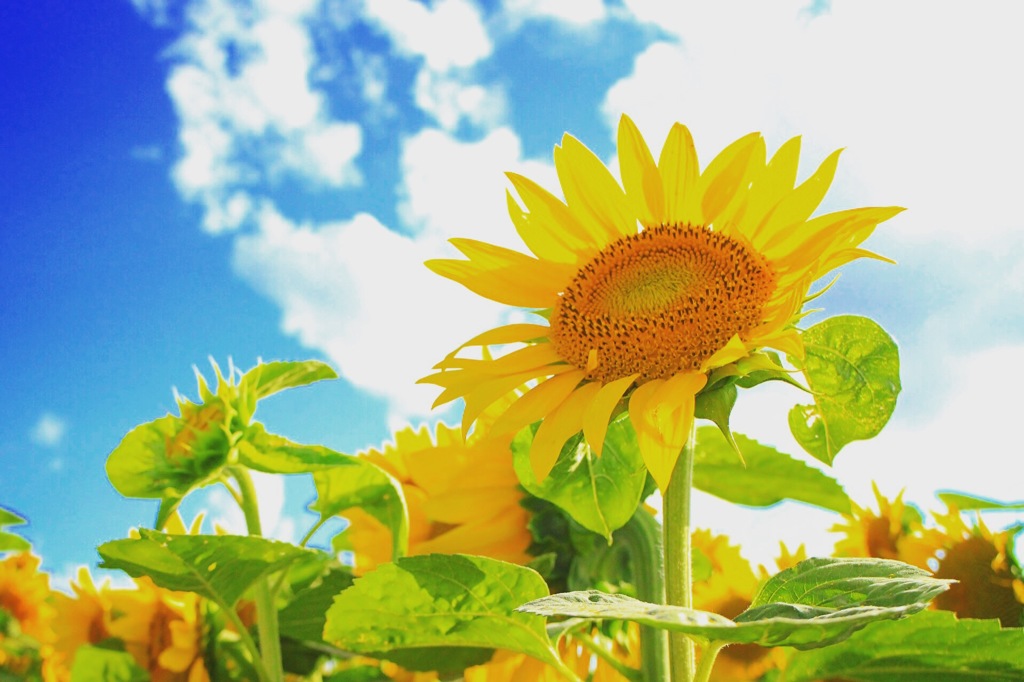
x=201, y=178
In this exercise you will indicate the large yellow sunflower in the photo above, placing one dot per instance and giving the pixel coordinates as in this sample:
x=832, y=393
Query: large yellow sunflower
x=25, y=598
x=647, y=287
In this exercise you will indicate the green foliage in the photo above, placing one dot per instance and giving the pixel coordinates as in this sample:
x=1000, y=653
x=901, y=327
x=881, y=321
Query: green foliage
x=852, y=368
x=304, y=616
x=272, y=377
x=101, y=664
x=815, y=603
x=932, y=645
x=357, y=483
x=965, y=502
x=274, y=454
x=218, y=567
x=765, y=477
x=439, y=600
x=9, y=542
x=600, y=493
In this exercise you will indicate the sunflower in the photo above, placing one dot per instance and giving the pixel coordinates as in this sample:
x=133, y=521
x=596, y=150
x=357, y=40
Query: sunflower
x=895, y=531
x=990, y=582
x=25, y=611
x=647, y=287
x=81, y=619
x=728, y=591
x=463, y=497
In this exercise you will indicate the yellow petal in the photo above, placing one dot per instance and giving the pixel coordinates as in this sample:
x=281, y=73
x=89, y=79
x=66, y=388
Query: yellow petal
x=537, y=402
x=509, y=333
x=465, y=506
x=552, y=245
x=519, y=360
x=595, y=421
x=771, y=186
x=548, y=214
x=725, y=179
x=640, y=176
x=797, y=206
x=558, y=427
x=591, y=192
x=662, y=418
x=679, y=173
x=730, y=352
x=489, y=391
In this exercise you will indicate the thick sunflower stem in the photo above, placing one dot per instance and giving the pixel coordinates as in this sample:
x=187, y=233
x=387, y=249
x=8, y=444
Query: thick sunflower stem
x=266, y=610
x=679, y=556
x=642, y=537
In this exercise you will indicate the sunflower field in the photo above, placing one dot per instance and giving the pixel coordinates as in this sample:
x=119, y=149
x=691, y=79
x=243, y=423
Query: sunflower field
x=549, y=535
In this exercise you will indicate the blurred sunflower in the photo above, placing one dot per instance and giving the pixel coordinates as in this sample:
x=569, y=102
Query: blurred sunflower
x=647, y=287
x=989, y=579
x=463, y=497
x=81, y=619
x=728, y=591
x=25, y=611
x=896, y=531
x=161, y=629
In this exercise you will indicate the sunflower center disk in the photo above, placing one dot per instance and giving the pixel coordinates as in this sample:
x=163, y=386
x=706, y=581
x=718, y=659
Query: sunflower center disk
x=660, y=302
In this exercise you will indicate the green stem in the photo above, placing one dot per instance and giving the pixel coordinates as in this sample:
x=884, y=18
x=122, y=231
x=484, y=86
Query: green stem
x=595, y=647
x=247, y=640
x=266, y=610
x=679, y=556
x=642, y=539
x=707, y=661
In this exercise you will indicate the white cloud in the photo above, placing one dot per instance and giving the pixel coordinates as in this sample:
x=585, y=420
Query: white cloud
x=451, y=99
x=248, y=112
x=575, y=12
x=49, y=430
x=917, y=92
x=447, y=34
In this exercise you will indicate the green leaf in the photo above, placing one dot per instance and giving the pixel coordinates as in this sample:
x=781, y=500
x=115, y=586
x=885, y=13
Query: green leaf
x=441, y=601
x=600, y=493
x=304, y=616
x=852, y=367
x=768, y=477
x=217, y=567
x=99, y=664
x=9, y=542
x=965, y=502
x=815, y=603
x=932, y=645
x=358, y=483
x=10, y=518
x=140, y=466
x=716, y=406
x=274, y=454
x=272, y=377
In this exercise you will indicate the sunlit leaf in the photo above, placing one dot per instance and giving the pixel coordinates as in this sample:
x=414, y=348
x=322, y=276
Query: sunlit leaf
x=600, y=493
x=358, y=483
x=9, y=542
x=965, y=502
x=853, y=370
x=304, y=616
x=217, y=567
x=99, y=664
x=816, y=602
x=274, y=454
x=765, y=477
x=272, y=377
x=440, y=601
x=932, y=645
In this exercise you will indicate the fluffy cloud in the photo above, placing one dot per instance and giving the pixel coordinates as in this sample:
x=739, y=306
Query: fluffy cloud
x=446, y=34
x=451, y=98
x=49, y=430
x=574, y=12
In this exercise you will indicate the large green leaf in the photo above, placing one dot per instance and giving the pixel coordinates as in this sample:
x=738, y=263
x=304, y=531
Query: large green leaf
x=9, y=542
x=272, y=377
x=357, y=483
x=852, y=367
x=99, y=664
x=304, y=617
x=965, y=502
x=141, y=466
x=600, y=493
x=816, y=602
x=217, y=567
x=440, y=600
x=932, y=645
x=274, y=454
x=764, y=477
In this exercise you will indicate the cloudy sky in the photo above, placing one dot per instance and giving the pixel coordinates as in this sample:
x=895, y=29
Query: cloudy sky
x=264, y=178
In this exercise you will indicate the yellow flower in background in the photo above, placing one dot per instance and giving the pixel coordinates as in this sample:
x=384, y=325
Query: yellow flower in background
x=161, y=629
x=989, y=579
x=463, y=498
x=728, y=591
x=81, y=619
x=647, y=287
x=25, y=598
x=895, y=531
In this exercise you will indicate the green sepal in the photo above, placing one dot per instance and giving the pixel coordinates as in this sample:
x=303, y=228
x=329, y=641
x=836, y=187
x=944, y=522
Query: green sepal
x=218, y=567
x=766, y=477
x=853, y=370
x=964, y=502
x=716, y=406
x=599, y=493
x=932, y=645
x=358, y=483
x=454, y=600
x=815, y=603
